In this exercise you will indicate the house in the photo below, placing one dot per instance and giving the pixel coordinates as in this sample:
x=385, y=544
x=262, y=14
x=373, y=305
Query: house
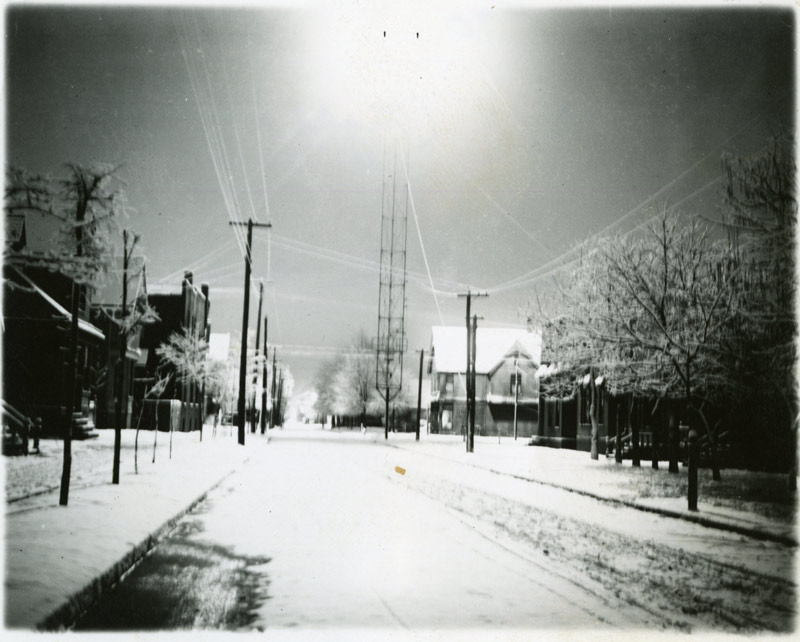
x=37, y=304
x=506, y=361
x=183, y=307
x=36, y=348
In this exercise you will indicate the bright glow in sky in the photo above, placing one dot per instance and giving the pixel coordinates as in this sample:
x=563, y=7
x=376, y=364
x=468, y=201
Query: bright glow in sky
x=426, y=74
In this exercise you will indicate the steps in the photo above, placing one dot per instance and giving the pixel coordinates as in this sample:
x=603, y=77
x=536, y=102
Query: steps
x=82, y=427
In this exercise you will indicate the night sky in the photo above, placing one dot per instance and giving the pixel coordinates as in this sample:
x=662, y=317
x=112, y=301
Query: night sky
x=523, y=131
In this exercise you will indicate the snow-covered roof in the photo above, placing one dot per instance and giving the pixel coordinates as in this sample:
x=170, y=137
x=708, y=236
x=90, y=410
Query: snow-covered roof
x=164, y=288
x=219, y=345
x=491, y=346
x=82, y=325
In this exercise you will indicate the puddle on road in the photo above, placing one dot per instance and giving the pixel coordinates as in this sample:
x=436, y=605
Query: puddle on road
x=185, y=583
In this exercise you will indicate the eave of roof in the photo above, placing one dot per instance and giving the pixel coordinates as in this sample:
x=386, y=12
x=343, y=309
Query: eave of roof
x=82, y=325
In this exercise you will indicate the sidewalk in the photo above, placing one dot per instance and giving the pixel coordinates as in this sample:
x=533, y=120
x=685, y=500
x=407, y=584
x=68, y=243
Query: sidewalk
x=642, y=488
x=59, y=559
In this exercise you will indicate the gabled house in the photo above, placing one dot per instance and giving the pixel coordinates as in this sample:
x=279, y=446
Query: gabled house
x=506, y=361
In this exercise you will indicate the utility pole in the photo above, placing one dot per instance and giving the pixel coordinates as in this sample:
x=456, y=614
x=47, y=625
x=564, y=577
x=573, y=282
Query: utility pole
x=255, y=369
x=280, y=400
x=470, y=384
x=245, y=312
x=272, y=397
x=264, y=381
x=471, y=432
x=419, y=391
x=516, y=394
x=123, y=355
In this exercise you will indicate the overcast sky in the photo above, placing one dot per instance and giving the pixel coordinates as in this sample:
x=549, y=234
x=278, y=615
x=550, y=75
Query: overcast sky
x=522, y=131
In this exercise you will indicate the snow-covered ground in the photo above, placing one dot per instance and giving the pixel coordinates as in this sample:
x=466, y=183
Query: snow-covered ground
x=92, y=459
x=645, y=569
x=52, y=552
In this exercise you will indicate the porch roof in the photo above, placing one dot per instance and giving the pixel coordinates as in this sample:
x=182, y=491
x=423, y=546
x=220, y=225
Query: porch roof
x=83, y=325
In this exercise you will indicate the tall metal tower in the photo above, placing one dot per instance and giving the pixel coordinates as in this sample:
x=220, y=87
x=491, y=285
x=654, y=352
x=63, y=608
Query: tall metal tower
x=391, y=341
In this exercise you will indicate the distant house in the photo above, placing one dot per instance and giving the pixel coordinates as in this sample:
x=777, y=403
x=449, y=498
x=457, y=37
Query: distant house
x=182, y=307
x=506, y=361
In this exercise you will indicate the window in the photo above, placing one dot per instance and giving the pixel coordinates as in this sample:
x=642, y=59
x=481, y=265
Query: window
x=516, y=380
x=448, y=382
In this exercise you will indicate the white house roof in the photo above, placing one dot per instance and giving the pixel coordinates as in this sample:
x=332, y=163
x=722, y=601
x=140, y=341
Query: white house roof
x=219, y=345
x=491, y=346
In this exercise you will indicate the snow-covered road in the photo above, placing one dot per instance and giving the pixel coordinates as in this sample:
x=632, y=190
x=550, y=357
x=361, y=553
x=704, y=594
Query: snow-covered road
x=318, y=532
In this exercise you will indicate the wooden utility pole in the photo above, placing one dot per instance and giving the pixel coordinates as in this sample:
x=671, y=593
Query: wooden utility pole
x=280, y=400
x=264, y=381
x=255, y=369
x=272, y=391
x=245, y=313
x=516, y=393
x=471, y=431
x=419, y=391
x=123, y=355
x=470, y=383
x=72, y=379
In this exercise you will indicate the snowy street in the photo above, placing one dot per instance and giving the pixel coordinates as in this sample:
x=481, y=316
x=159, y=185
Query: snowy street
x=323, y=530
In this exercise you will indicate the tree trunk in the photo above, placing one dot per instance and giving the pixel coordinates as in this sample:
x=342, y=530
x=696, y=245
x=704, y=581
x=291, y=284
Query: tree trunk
x=617, y=433
x=655, y=433
x=155, y=435
x=673, y=436
x=593, y=412
x=136, y=442
x=634, y=426
x=712, y=447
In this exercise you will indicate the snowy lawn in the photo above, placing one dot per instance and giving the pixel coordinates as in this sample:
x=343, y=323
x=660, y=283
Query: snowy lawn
x=92, y=460
x=762, y=495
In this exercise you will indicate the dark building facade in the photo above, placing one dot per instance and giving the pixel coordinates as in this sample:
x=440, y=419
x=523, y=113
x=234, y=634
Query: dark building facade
x=36, y=346
x=180, y=308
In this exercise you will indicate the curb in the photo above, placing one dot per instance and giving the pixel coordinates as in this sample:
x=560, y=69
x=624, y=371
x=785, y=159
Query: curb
x=708, y=522
x=82, y=600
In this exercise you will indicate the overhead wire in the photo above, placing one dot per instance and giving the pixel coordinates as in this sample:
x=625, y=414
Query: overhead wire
x=209, y=123
x=256, y=113
x=234, y=210
x=536, y=274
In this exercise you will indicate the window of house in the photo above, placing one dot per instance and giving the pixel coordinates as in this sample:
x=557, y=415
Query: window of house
x=448, y=382
x=516, y=381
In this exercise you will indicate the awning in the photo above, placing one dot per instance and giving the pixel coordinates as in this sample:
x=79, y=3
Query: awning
x=85, y=326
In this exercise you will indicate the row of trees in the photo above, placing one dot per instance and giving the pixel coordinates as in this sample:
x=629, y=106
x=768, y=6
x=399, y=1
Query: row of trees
x=695, y=309
x=345, y=385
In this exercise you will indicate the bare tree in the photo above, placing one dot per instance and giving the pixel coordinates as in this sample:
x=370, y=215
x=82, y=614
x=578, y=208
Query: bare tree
x=758, y=358
x=154, y=391
x=87, y=202
x=186, y=353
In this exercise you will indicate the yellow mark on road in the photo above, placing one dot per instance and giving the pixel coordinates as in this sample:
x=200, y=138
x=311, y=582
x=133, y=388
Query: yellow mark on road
x=402, y=471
